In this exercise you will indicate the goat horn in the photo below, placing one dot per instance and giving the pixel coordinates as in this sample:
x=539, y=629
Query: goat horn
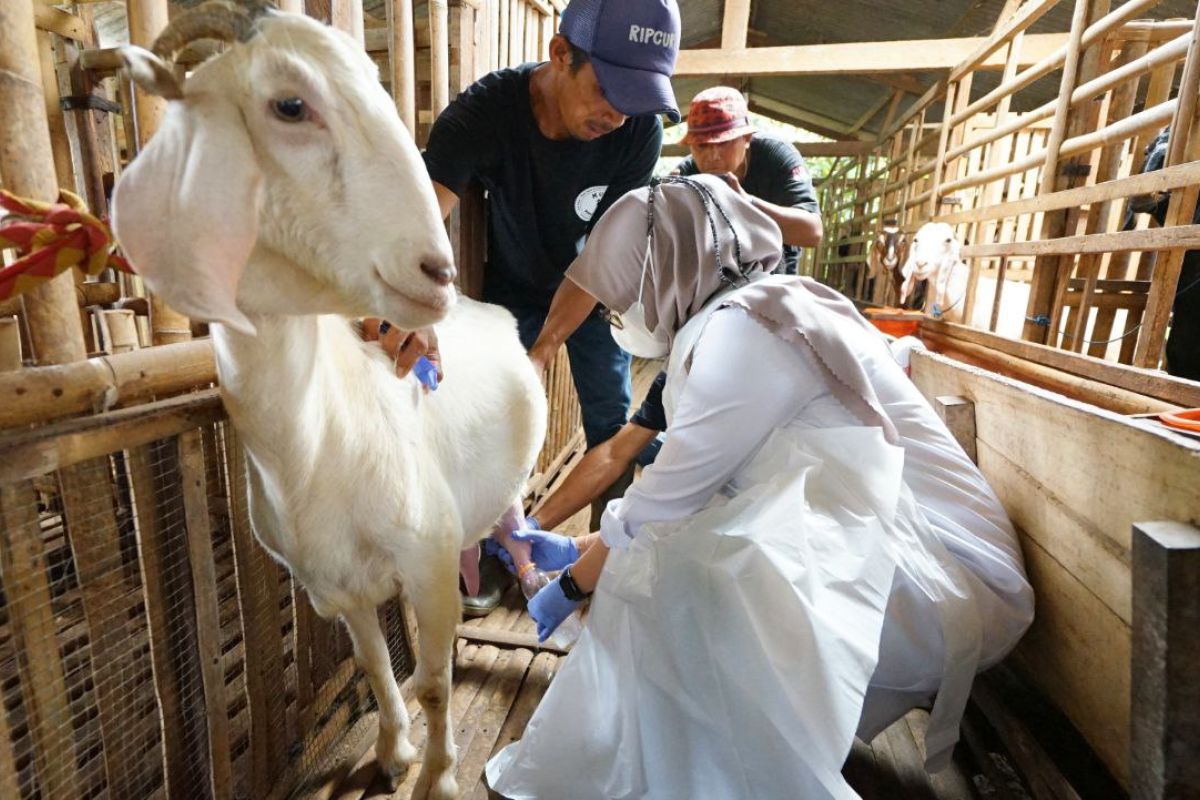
x=216, y=19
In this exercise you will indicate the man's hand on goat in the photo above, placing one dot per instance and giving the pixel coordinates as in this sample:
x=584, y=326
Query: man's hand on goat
x=549, y=607
x=404, y=347
x=734, y=183
x=550, y=550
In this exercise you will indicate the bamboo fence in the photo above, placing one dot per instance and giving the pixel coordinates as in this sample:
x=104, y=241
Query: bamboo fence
x=148, y=646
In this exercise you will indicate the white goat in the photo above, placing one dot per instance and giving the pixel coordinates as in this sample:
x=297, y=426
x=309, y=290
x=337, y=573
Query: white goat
x=936, y=256
x=280, y=193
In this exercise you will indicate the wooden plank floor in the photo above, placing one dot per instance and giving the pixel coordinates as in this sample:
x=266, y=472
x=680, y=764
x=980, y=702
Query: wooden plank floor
x=496, y=689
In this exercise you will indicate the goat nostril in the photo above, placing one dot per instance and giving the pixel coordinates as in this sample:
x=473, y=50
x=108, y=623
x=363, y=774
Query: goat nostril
x=441, y=274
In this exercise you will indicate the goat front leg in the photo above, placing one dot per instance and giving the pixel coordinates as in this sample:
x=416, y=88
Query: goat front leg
x=393, y=750
x=438, y=608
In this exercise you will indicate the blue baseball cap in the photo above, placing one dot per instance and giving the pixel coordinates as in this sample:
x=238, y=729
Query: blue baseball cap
x=632, y=45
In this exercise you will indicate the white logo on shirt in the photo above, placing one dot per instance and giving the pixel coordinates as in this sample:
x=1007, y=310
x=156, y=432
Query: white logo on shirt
x=587, y=201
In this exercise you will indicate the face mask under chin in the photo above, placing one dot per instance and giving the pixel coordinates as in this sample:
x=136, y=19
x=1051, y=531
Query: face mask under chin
x=635, y=339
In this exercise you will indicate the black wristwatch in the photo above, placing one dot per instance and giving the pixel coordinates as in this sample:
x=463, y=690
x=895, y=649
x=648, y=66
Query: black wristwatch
x=571, y=588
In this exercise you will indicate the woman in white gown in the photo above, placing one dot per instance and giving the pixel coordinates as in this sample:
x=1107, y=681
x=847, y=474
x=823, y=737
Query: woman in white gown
x=812, y=554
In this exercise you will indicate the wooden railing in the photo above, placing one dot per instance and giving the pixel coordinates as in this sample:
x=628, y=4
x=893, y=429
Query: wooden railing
x=1037, y=195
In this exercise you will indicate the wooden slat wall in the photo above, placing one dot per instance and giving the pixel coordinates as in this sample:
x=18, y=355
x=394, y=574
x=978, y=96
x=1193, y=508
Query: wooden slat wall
x=978, y=156
x=1074, y=503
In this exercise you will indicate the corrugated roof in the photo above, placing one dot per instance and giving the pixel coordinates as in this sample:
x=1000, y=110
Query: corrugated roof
x=835, y=101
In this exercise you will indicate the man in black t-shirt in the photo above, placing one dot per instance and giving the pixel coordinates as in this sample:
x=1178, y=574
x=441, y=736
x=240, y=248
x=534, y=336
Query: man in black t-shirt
x=770, y=171
x=554, y=145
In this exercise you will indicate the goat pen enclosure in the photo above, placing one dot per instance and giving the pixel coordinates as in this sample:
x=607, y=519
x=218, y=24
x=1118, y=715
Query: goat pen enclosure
x=1038, y=195
x=149, y=647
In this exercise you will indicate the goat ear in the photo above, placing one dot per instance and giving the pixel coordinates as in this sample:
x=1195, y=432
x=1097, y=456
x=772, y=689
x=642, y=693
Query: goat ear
x=151, y=73
x=186, y=209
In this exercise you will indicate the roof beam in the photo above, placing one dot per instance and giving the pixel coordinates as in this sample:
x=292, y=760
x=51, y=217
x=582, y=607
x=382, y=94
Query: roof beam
x=858, y=58
x=898, y=80
x=811, y=120
x=870, y=113
x=736, y=24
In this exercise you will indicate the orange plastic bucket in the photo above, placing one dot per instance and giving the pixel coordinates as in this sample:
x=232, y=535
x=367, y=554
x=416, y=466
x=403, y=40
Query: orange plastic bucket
x=1183, y=420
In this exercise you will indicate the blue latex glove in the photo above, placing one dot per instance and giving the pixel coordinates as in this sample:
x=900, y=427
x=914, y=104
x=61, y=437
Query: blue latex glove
x=549, y=607
x=493, y=548
x=426, y=373
x=551, y=550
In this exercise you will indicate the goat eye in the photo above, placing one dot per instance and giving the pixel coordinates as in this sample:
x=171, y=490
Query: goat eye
x=290, y=109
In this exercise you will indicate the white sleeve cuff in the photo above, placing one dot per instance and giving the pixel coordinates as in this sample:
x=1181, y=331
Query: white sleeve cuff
x=613, y=530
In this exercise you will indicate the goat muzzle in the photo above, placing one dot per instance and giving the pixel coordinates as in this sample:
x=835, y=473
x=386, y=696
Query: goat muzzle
x=441, y=274
x=216, y=19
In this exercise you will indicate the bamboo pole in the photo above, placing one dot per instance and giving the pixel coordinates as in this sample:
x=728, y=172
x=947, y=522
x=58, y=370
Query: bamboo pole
x=1172, y=51
x=439, y=54
x=10, y=344
x=60, y=145
x=27, y=169
x=993, y=193
x=120, y=330
x=41, y=394
x=403, y=61
x=147, y=18
x=1099, y=214
x=1184, y=145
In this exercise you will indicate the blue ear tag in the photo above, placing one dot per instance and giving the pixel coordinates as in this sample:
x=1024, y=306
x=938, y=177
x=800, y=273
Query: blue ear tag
x=426, y=373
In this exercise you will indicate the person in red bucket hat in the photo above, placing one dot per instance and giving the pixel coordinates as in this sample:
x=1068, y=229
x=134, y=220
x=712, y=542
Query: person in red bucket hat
x=771, y=172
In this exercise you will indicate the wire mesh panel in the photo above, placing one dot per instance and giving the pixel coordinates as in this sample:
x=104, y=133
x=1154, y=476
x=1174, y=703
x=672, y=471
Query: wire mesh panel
x=148, y=646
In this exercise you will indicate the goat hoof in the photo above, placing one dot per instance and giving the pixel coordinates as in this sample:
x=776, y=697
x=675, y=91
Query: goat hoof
x=394, y=760
x=442, y=787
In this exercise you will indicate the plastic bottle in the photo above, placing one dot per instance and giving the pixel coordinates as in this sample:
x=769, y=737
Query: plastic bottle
x=532, y=579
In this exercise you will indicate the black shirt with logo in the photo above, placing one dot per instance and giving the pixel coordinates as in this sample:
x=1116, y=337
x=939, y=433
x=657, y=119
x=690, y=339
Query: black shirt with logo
x=544, y=195
x=776, y=173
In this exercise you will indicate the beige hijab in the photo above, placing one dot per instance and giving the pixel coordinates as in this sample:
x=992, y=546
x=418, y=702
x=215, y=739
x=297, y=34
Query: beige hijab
x=684, y=274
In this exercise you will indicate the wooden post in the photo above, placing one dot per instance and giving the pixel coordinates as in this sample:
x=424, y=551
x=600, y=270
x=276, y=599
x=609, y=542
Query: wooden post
x=439, y=54
x=347, y=16
x=404, y=89
x=1158, y=89
x=1165, y=746
x=31, y=617
x=10, y=344
x=119, y=328
x=27, y=169
x=1078, y=67
x=170, y=612
x=60, y=145
x=1108, y=168
x=208, y=622
x=1185, y=146
x=998, y=152
x=959, y=415
x=147, y=18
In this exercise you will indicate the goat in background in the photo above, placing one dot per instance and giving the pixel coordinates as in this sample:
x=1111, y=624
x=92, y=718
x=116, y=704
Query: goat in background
x=936, y=256
x=281, y=195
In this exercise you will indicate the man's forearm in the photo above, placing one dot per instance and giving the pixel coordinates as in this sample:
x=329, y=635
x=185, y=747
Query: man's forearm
x=596, y=471
x=569, y=308
x=798, y=226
